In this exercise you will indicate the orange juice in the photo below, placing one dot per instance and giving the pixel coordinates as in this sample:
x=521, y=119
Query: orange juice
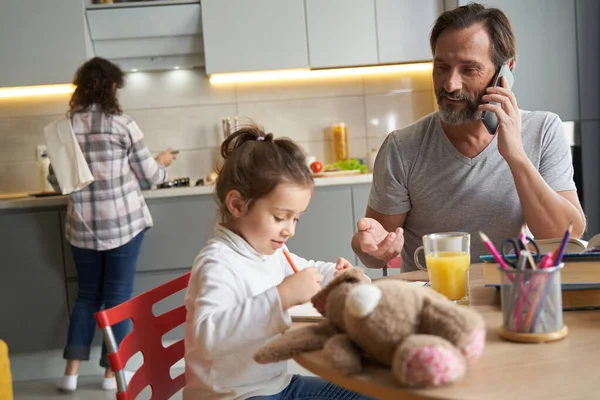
x=448, y=273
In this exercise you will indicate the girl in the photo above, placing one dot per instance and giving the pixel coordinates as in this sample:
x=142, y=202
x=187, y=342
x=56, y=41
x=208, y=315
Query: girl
x=242, y=284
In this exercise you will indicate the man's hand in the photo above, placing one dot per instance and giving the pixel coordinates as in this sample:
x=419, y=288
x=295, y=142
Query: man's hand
x=378, y=243
x=510, y=141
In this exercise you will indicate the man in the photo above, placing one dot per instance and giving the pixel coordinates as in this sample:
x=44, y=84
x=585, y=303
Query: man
x=446, y=172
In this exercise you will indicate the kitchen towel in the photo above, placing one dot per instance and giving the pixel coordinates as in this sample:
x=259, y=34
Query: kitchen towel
x=71, y=170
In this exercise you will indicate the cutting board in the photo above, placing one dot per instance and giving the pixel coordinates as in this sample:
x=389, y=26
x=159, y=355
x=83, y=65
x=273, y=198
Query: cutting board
x=325, y=174
x=9, y=196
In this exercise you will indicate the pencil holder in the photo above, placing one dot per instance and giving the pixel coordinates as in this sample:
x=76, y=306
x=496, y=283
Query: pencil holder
x=532, y=305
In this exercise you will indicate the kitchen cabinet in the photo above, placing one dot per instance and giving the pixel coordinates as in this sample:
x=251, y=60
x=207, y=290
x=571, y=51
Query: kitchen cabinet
x=403, y=29
x=341, y=33
x=241, y=35
x=324, y=231
x=546, y=69
x=272, y=35
x=182, y=226
x=42, y=42
x=588, y=59
x=34, y=314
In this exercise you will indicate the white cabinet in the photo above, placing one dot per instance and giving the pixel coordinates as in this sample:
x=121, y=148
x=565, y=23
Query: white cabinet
x=546, y=69
x=242, y=35
x=163, y=36
x=341, y=33
x=403, y=29
x=42, y=42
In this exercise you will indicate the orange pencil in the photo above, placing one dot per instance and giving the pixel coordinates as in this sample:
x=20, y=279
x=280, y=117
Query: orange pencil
x=289, y=258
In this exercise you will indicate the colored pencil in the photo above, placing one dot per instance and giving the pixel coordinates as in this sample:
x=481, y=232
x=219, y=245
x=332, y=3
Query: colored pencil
x=492, y=250
x=563, y=245
x=289, y=258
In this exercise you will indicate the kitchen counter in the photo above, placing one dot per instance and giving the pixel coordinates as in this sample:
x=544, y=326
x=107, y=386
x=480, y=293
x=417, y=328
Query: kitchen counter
x=52, y=201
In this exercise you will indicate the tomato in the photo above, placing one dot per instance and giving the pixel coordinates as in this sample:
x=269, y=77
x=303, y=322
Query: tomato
x=316, y=166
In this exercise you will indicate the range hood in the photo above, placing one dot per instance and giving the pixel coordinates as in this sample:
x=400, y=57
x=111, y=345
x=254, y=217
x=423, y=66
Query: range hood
x=148, y=35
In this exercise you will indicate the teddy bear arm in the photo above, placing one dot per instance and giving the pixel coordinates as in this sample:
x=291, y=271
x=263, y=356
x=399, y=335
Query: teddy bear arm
x=345, y=355
x=293, y=342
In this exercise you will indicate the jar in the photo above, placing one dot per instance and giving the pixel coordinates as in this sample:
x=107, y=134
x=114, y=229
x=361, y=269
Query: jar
x=339, y=142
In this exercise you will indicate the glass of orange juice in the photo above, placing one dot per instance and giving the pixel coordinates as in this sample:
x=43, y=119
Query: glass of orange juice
x=447, y=260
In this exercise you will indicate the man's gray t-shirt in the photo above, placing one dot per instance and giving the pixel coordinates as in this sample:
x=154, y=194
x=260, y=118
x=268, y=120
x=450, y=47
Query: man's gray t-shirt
x=418, y=171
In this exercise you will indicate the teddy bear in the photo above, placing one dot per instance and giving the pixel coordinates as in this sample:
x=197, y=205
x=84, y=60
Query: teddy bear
x=425, y=339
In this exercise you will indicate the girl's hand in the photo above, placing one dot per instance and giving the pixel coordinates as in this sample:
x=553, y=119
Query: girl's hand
x=341, y=265
x=299, y=287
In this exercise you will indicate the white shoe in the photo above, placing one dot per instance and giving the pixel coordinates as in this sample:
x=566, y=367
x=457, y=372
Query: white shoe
x=67, y=383
x=111, y=383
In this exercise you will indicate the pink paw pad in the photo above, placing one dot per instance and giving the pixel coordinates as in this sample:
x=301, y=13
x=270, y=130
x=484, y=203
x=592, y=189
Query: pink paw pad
x=433, y=366
x=474, y=349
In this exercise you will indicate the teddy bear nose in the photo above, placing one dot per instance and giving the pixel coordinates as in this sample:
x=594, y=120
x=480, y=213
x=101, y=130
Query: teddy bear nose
x=362, y=300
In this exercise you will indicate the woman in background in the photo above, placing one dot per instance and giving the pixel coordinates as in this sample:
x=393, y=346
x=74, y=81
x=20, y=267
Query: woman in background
x=106, y=221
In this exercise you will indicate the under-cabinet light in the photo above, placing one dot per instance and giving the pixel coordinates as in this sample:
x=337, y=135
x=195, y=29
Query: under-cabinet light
x=293, y=74
x=40, y=90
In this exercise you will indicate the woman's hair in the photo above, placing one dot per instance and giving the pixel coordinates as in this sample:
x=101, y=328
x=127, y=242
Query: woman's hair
x=495, y=22
x=95, y=82
x=255, y=163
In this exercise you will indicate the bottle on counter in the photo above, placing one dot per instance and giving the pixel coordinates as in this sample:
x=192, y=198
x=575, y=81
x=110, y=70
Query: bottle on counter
x=339, y=142
x=44, y=168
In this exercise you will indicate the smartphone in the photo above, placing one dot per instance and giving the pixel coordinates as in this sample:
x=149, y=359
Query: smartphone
x=489, y=119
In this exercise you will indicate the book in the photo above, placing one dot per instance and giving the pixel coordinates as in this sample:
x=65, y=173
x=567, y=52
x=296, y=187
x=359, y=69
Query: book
x=579, y=274
x=574, y=245
x=567, y=257
x=574, y=298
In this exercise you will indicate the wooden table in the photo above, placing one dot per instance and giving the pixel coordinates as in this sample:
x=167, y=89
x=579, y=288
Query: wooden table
x=566, y=369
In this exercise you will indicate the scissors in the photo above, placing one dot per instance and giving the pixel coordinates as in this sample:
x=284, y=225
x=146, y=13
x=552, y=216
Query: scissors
x=511, y=256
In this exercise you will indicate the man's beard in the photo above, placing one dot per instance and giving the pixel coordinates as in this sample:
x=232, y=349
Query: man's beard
x=448, y=112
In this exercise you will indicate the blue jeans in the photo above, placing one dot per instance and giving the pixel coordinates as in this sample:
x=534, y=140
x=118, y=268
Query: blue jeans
x=103, y=278
x=314, y=388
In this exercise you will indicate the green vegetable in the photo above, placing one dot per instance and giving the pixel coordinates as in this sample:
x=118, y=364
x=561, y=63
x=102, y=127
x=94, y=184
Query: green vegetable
x=346, y=165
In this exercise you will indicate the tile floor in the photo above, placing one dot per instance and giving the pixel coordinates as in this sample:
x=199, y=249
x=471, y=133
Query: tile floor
x=89, y=388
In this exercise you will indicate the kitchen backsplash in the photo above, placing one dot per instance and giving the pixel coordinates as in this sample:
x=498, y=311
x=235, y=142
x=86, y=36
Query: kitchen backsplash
x=181, y=110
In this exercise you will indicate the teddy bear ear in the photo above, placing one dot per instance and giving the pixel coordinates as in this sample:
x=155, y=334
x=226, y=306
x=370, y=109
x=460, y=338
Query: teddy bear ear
x=353, y=275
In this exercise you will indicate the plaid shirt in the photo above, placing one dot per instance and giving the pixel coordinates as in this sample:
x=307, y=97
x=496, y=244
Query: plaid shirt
x=111, y=211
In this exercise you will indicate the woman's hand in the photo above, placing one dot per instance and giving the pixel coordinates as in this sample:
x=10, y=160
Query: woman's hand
x=166, y=157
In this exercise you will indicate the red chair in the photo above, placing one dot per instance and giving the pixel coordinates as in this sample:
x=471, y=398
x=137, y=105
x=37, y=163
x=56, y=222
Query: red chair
x=395, y=263
x=146, y=337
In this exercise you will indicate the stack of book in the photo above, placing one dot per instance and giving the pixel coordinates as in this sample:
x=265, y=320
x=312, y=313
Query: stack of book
x=580, y=278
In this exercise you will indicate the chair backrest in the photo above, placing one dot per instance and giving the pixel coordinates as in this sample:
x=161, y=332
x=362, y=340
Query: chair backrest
x=146, y=337
x=395, y=262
